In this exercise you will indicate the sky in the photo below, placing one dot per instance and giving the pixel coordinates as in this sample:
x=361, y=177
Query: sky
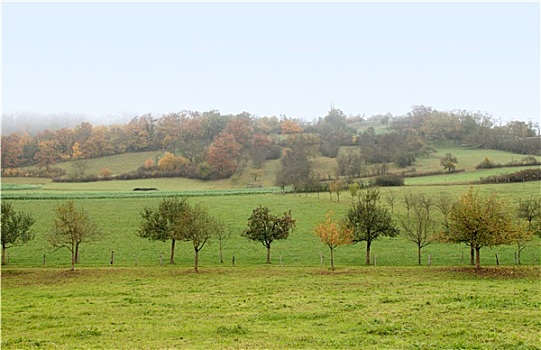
x=294, y=59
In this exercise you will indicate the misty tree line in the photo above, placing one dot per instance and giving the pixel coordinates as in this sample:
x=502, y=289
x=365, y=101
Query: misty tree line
x=210, y=145
x=470, y=219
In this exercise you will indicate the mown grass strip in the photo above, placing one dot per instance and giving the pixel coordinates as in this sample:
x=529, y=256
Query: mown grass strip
x=137, y=194
x=19, y=187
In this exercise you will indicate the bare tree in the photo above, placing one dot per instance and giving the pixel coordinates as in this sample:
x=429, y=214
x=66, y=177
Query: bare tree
x=418, y=225
x=390, y=198
x=222, y=234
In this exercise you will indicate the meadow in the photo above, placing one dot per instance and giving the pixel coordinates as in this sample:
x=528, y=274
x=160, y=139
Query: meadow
x=296, y=302
x=270, y=307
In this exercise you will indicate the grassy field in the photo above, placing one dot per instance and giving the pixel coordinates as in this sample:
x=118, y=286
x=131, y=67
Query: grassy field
x=119, y=218
x=297, y=302
x=464, y=178
x=271, y=307
x=118, y=164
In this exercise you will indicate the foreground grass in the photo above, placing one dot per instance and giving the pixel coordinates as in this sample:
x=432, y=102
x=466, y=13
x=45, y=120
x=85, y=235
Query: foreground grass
x=271, y=307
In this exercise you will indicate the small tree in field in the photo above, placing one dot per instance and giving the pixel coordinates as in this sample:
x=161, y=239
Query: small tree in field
x=480, y=222
x=197, y=226
x=222, y=233
x=391, y=198
x=418, y=226
x=369, y=220
x=353, y=190
x=333, y=234
x=529, y=210
x=336, y=187
x=256, y=173
x=72, y=226
x=265, y=227
x=15, y=228
x=160, y=224
x=449, y=162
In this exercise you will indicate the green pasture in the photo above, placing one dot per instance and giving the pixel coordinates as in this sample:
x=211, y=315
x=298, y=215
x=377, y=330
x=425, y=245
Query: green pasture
x=468, y=158
x=271, y=307
x=117, y=164
x=464, y=177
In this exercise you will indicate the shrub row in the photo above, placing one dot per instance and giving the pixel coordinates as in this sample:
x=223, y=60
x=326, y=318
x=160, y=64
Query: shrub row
x=526, y=161
x=519, y=176
x=429, y=173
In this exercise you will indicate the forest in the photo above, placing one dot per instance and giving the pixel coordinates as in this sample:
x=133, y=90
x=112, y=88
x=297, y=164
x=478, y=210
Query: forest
x=209, y=145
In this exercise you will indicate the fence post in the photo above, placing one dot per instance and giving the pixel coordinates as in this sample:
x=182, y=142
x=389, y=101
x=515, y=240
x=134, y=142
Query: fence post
x=429, y=259
x=161, y=259
x=375, y=259
x=112, y=257
x=497, y=260
x=233, y=260
x=44, y=260
x=321, y=258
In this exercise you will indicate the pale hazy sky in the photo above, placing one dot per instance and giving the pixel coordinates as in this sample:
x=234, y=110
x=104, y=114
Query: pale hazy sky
x=104, y=59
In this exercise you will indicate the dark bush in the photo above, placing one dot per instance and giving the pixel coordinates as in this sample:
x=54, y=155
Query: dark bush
x=389, y=180
x=274, y=152
x=486, y=164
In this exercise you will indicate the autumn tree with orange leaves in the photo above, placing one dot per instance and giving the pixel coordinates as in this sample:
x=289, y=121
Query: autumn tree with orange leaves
x=223, y=153
x=333, y=234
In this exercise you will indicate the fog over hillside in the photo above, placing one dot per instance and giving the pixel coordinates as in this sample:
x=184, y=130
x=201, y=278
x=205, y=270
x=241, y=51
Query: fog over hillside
x=32, y=122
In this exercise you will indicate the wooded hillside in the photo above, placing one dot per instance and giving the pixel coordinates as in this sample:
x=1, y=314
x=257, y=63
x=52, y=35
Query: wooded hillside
x=209, y=145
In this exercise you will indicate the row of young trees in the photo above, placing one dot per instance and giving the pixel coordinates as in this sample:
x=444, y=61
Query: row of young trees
x=473, y=220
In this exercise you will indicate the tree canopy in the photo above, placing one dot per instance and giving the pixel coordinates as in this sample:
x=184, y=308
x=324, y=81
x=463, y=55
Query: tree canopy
x=480, y=222
x=15, y=228
x=162, y=223
x=72, y=226
x=266, y=228
x=333, y=234
x=369, y=220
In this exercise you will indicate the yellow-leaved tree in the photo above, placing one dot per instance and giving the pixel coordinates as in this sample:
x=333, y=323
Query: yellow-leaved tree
x=333, y=234
x=481, y=222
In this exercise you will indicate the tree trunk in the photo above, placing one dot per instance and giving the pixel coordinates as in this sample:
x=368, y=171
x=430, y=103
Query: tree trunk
x=472, y=255
x=221, y=256
x=77, y=258
x=196, y=260
x=72, y=258
x=3, y=254
x=477, y=258
x=268, y=255
x=419, y=254
x=172, y=259
x=368, y=243
x=332, y=260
